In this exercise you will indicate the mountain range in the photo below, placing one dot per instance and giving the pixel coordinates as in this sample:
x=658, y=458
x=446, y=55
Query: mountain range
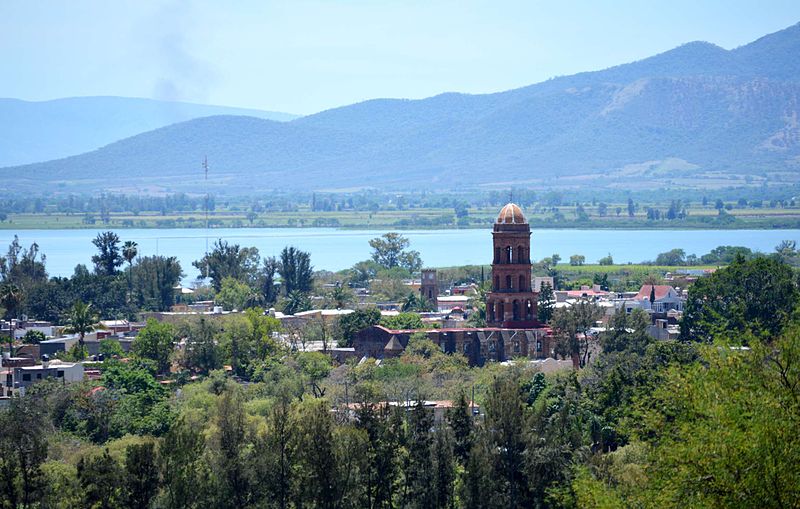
x=697, y=115
x=33, y=131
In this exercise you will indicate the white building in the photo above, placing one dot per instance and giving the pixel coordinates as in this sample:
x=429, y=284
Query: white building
x=24, y=377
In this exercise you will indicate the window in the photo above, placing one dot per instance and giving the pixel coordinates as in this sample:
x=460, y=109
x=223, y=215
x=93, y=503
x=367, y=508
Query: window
x=539, y=345
x=466, y=347
x=38, y=376
x=26, y=377
x=60, y=373
x=516, y=346
x=9, y=380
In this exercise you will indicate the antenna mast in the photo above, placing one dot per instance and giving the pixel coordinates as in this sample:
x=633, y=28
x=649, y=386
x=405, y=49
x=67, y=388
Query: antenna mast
x=207, y=204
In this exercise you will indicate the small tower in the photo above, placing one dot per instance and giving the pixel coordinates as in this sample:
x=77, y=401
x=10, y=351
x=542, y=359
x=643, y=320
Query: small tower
x=429, y=289
x=512, y=302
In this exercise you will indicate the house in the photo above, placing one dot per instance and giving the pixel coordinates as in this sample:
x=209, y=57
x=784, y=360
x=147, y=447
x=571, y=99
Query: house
x=662, y=330
x=21, y=327
x=447, y=303
x=25, y=376
x=664, y=297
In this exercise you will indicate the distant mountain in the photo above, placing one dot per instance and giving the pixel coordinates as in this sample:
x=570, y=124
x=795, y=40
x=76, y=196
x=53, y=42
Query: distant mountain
x=38, y=131
x=697, y=115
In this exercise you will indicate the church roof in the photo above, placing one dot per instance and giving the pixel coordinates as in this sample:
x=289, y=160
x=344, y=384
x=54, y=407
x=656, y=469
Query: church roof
x=393, y=344
x=511, y=214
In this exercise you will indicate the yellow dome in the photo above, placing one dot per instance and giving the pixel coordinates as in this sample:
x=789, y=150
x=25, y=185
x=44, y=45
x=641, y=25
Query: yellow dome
x=511, y=214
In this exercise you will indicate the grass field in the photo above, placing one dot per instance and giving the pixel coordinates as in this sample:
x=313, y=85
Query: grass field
x=416, y=218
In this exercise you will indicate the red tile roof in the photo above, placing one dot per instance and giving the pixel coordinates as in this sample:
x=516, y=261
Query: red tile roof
x=661, y=291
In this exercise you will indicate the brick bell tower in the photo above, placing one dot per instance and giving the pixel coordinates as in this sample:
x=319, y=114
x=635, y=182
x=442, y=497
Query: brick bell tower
x=512, y=302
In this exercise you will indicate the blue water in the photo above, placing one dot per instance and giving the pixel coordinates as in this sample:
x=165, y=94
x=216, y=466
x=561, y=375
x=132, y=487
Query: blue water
x=334, y=249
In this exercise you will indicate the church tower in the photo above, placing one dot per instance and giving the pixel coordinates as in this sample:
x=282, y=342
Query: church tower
x=429, y=287
x=512, y=302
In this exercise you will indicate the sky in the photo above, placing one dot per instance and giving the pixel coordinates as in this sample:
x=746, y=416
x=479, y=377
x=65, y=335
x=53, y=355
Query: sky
x=302, y=56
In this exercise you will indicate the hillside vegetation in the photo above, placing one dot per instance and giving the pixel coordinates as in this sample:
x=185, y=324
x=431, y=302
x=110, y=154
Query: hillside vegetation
x=694, y=116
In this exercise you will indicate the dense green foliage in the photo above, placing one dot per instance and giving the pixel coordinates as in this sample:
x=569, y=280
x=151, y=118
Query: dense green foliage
x=755, y=296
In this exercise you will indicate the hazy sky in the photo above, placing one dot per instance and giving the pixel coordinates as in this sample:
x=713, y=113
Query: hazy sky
x=303, y=56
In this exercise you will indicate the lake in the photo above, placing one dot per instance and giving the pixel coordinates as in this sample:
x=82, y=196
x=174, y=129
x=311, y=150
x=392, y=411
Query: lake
x=336, y=249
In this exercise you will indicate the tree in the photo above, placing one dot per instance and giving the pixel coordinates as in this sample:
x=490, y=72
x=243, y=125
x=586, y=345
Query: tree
x=577, y=260
x=358, y=320
x=362, y=272
x=24, y=427
x=606, y=260
x=402, y=321
x=109, y=257
x=672, y=258
x=341, y=296
x=389, y=251
x=233, y=294
x=631, y=208
x=296, y=302
x=24, y=268
x=695, y=410
x=749, y=296
x=316, y=466
x=141, y=475
x=505, y=420
x=269, y=290
x=201, y=352
x=33, y=337
x=229, y=260
x=460, y=419
x=414, y=302
x=81, y=320
x=545, y=304
x=155, y=342
x=600, y=280
x=101, y=480
x=722, y=255
x=555, y=259
x=182, y=465
x=110, y=348
x=129, y=252
x=420, y=471
x=571, y=327
x=295, y=270
x=10, y=299
x=154, y=282
x=229, y=445
x=786, y=250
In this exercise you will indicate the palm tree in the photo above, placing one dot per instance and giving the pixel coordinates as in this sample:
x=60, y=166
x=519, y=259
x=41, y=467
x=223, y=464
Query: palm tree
x=295, y=302
x=341, y=296
x=129, y=252
x=10, y=298
x=82, y=320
